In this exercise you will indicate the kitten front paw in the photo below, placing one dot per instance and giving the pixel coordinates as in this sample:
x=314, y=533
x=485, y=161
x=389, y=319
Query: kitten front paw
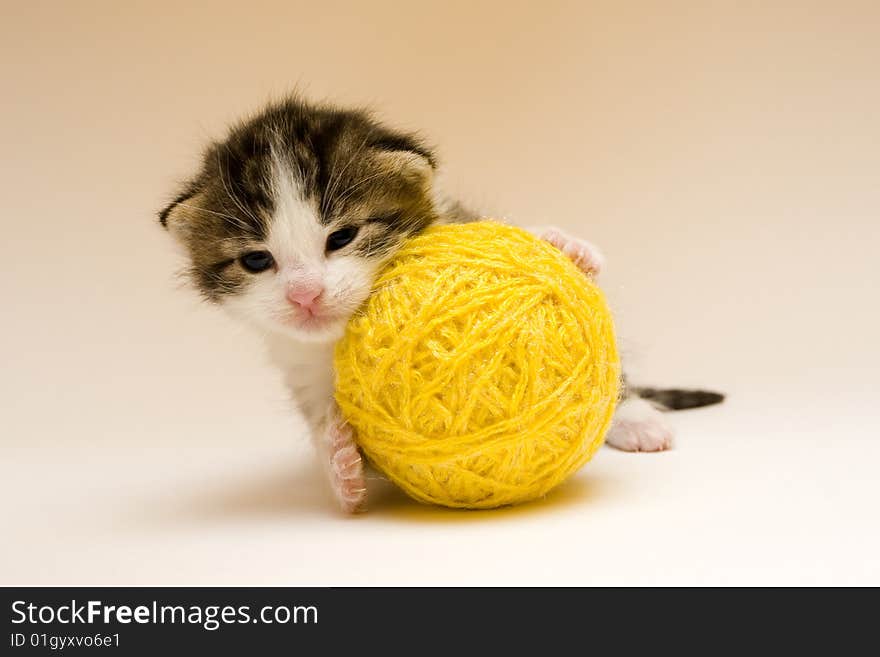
x=586, y=256
x=346, y=468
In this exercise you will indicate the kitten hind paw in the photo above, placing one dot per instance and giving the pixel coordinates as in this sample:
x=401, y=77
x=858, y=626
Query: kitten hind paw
x=639, y=427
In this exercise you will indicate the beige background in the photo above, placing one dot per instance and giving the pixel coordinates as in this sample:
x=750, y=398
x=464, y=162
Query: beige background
x=726, y=155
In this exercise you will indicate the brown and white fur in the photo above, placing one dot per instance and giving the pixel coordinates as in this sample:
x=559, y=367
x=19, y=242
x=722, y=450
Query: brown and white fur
x=285, y=226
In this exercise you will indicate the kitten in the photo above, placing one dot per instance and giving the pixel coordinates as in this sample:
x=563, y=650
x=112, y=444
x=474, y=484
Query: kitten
x=285, y=226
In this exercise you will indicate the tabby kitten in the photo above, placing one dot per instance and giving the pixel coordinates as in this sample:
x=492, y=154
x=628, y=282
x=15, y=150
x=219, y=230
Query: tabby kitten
x=286, y=224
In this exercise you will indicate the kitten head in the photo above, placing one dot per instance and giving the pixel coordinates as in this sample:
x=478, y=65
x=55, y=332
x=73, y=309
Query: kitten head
x=290, y=217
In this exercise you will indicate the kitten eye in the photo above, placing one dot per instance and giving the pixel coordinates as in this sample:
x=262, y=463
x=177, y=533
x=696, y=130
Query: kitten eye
x=337, y=239
x=257, y=261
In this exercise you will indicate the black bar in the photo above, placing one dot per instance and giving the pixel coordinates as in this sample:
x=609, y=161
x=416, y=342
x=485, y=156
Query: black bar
x=195, y=621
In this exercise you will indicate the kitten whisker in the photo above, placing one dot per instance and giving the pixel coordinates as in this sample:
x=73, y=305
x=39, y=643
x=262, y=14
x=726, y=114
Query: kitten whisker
x=237, y=220
x=334, y=181
x=229, y=191
x=351, y=189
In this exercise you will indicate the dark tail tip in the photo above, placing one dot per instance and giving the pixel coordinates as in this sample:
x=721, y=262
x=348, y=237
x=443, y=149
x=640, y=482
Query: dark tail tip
x=676, y=399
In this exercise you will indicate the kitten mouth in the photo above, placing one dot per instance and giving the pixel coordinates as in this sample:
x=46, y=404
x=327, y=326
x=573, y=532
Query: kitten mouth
x=309, y=320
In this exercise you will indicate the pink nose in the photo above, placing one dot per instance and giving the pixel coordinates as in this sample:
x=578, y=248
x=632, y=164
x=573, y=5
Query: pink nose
x=304, y=296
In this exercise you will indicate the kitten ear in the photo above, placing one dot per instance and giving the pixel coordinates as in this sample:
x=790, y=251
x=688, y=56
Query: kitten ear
x=405, y=158
x=405, y=154
x=392, y=142
x=175, y=217
x=413, y=168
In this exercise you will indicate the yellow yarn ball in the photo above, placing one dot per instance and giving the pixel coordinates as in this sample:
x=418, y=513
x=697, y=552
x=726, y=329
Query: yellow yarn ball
x=482, y=371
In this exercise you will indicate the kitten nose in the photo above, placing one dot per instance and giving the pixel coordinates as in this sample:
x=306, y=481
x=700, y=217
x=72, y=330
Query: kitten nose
x=304, y=295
